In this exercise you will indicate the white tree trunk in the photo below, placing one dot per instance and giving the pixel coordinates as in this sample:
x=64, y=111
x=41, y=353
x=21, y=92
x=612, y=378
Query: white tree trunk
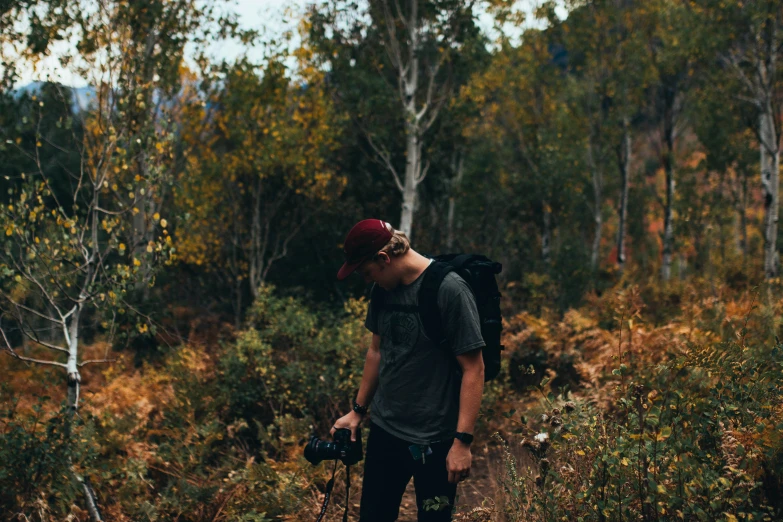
x=770, y=174
x=74, y=382
x=668, y=211
x=72, y=367
x=90, y=499
x=625, y=175
x=412, y=169
x=598, y=220
x=419, y=101
x=598, y=183
x=668, y=225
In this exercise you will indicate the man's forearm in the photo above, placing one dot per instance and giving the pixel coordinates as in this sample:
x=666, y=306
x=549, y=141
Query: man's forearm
x=369, y=384
x=470, y=399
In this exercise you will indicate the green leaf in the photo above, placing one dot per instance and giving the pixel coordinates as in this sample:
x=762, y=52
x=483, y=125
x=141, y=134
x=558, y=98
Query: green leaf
x=664, y=434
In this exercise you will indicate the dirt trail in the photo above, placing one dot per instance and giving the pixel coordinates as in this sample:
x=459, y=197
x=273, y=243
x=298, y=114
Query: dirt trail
x=470, y=493
x=482, y=489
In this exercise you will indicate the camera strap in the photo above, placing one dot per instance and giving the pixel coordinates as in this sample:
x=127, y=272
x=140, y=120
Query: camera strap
x=328, y=494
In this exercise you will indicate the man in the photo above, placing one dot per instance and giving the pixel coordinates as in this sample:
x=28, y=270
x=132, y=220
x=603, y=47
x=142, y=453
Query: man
x=424, y=397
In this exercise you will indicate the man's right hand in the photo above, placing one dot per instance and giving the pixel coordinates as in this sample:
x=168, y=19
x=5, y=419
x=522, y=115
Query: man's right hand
x=350, y=421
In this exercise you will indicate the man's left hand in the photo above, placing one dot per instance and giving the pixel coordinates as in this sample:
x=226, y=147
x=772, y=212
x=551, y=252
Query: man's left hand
x=458, y=462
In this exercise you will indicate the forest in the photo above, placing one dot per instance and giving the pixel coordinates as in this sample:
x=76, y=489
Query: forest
x=173, y=330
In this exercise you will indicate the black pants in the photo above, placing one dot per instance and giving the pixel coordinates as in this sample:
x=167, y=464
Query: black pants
x=389, y=466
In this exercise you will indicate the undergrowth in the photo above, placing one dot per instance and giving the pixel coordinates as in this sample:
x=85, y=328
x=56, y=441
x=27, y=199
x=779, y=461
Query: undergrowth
x=641, y=415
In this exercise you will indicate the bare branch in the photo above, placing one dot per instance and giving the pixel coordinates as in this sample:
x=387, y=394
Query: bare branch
x=384, y=155
x=96, y=361
x=747, y=99
x=393, y=49
x=431, y=88
x=37, y=340
x=733, y=61
x=27, y=275
x=423, y=173
x=433, y=115
x=32, y=311
x=280, y=253
x=13, y=353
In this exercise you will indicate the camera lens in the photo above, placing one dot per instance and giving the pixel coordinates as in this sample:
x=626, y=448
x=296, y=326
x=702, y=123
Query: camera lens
x=318, y=450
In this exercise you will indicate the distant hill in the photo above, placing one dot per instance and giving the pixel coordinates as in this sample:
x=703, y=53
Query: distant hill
x=82, y=96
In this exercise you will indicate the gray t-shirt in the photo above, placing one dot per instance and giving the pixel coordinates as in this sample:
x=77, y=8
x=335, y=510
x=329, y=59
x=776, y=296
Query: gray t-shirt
x=417, y=398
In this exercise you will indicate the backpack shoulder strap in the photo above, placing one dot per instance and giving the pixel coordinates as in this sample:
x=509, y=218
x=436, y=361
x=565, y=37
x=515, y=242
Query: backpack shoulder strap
x=428, y=300
x=377, y=296
x=379, y=300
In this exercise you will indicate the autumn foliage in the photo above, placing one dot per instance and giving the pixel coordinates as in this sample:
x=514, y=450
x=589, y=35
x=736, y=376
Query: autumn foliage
x=172, y=330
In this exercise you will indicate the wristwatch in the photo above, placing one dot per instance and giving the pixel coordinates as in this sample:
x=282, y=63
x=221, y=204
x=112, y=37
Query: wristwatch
x=361, y=410
x=465, y=438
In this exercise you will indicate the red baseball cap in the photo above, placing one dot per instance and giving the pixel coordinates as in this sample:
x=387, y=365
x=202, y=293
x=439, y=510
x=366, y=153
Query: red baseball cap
x=363, y=241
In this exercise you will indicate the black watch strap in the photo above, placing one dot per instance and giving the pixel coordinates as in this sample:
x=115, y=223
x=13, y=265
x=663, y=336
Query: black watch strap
x=466, y=438
x=361, y=410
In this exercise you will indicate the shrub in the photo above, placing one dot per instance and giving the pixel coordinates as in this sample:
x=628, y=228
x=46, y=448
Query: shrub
x=695, y=436
x=217, y=434
x=38, y=450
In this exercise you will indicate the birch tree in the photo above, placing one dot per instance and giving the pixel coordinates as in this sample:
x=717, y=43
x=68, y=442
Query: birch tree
x=749, y=39
x=591, y=28
x=72, y=247
x=672, y=57
x=65, y=253
x=419, y=38
x=630, y=78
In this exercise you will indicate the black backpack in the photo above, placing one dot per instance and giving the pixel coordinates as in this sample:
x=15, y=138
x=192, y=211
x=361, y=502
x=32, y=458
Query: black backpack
x=479, y=273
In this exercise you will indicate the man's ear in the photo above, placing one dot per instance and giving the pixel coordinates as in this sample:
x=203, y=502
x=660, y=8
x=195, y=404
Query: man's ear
x=383, y=258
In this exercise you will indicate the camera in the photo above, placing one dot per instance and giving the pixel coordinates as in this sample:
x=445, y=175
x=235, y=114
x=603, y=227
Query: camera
x=339, y=448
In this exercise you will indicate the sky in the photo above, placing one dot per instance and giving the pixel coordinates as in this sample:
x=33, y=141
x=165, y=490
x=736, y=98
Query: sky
x=266, y=14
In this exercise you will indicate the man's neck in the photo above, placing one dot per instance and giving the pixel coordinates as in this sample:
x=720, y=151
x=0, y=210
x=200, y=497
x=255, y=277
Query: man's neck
x=413, y=265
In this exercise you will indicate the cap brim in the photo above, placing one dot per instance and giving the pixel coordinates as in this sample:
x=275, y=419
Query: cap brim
x=348, y=269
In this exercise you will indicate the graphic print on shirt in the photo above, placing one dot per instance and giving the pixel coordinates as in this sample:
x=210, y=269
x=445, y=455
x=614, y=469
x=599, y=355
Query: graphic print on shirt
x=400, y=333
